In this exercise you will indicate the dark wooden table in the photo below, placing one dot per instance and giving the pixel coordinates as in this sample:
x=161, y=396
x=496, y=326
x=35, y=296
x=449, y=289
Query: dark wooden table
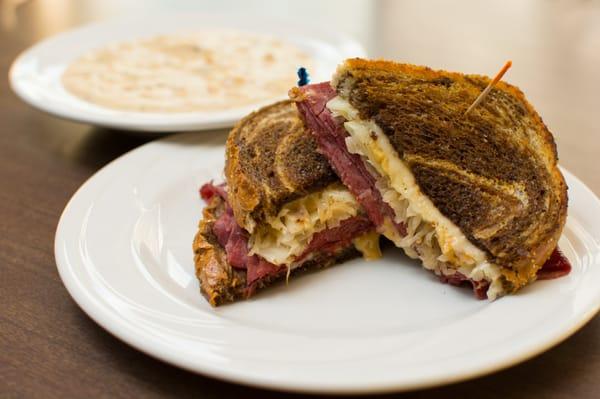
x=50, y=349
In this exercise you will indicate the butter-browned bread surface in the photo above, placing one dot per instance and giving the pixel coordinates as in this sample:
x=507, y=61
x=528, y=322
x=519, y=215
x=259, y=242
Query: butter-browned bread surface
x=271, y=159
x=493, y=173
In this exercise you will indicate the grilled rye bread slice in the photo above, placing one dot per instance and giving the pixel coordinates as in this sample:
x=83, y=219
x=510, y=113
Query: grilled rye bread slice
x=493, y=173
x=271, y=160
x=220, y=282
x=281, y=211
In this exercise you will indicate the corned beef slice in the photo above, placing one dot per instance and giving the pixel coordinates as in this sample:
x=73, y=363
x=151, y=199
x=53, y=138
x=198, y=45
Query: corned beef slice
x=235, y=240
x=556, y=266
x=208, y=190
x=258, y=268
x=330, y=135
x=330, y=240
x=237, y=247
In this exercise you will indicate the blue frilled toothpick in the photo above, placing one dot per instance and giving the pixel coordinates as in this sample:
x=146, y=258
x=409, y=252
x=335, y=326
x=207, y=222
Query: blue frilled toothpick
x=303, y=77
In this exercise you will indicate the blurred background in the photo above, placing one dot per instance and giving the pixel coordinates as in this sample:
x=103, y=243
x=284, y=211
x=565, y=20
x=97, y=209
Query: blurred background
x=44, y=337
x=554, y=44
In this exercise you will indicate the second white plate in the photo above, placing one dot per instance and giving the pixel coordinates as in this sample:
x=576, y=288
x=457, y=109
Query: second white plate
x=36, y=74
x=123, y=250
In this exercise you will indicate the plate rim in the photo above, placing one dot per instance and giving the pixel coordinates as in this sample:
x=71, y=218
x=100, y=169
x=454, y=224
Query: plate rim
x=347, y=45
x=124, y=332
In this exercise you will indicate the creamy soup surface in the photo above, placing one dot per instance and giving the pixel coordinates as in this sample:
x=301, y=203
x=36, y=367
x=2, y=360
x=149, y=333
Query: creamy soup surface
x=210, y=70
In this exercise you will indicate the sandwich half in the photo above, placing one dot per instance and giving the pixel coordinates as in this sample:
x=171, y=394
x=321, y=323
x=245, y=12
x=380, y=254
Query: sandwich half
x=477, y=198
x=281, y=210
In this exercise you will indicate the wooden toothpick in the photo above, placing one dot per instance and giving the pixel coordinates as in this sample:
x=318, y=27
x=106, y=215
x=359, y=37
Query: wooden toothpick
x=485, y=92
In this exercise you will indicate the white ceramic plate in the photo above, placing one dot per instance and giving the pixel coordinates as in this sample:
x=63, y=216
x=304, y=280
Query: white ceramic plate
x=123, y=249
x=36, y=74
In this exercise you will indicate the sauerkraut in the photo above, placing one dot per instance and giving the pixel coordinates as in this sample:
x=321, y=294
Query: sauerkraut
x=285, y=236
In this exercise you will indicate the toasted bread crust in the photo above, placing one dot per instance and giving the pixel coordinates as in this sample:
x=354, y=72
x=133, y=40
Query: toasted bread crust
x=219, y=282
x=493, y=173
x=271, y=159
